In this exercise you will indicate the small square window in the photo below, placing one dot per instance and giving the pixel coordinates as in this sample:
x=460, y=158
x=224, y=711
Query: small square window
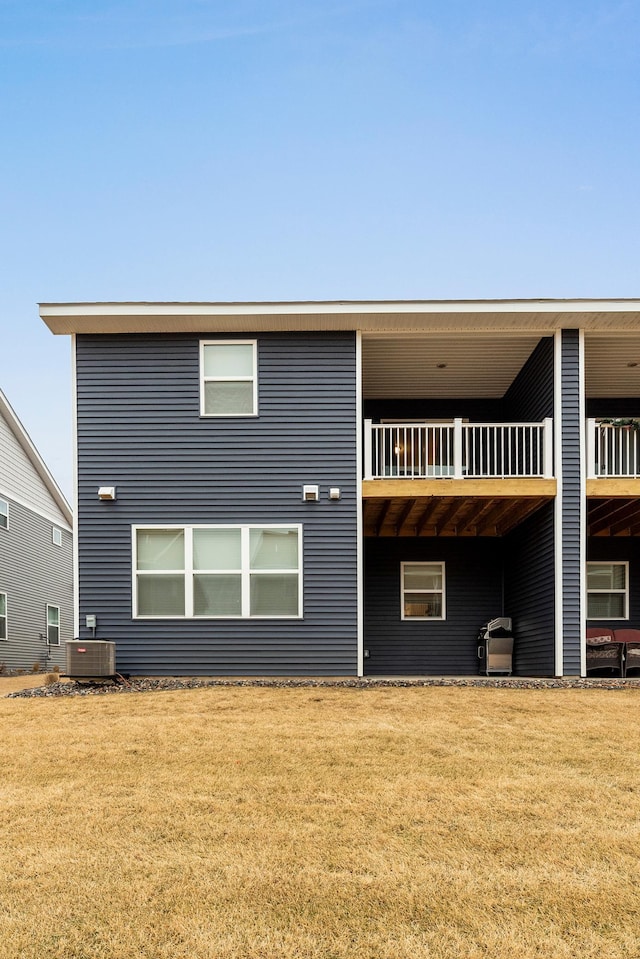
x=228, y=378
x=422, y=589
x=57, y=536
x=4, y=514
x=607, y=590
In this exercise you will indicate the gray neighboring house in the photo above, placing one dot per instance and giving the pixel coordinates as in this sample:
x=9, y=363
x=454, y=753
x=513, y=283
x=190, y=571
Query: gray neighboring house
x=354, y=488
x=36, y=554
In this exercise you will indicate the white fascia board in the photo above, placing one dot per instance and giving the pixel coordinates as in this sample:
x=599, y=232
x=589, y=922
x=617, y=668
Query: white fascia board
x=312, y=307
x=36, y=460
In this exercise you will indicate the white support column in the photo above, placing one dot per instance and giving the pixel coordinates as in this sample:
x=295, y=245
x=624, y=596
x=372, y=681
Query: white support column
x=584, y=456
x=76, y=551
x=548, y=448
x=457, y=448
x=368, y=449
x=591, y=449
x=359, y=515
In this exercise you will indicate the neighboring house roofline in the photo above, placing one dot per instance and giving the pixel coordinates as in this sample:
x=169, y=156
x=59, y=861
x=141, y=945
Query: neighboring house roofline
x=544, y=316
x=34, y=457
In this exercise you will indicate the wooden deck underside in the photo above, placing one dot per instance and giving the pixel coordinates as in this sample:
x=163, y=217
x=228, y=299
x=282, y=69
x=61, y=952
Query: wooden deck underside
x=451, y=507
x=613, y=507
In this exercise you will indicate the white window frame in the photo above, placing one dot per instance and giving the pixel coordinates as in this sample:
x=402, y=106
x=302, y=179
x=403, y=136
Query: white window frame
x=5, y=616
x=599, y=592
x=229, y=379
x=423, y=619
x=188, y=572
x=56, y=536
x=49, y=625
x=4, y=514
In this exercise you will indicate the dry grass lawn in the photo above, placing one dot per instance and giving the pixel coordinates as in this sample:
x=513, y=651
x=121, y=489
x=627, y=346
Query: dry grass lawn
x=240, y=823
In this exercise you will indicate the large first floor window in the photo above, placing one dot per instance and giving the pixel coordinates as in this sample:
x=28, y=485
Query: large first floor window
x=607, y=590
x=53, y=625
x=422, y=588
x=217, y=571
x=3, y=615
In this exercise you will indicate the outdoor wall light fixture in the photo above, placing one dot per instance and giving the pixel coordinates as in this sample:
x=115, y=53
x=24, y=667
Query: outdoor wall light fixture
x=310, y=494
x=107, y=492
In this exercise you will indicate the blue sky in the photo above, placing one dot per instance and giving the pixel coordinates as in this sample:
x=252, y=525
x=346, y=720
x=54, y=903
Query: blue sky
x=304, y=149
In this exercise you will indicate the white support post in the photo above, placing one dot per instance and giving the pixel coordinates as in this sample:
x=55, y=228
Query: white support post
x=591, y=449
x=548, y=448
x=457, y=448
x=368, y=449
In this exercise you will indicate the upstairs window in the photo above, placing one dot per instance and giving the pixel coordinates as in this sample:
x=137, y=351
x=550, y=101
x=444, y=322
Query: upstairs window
x=56, y=536
x=3, y=615
x=422, y=591
x=607, y=590
x=4, y=514
x=228, y=378
x=53, y=625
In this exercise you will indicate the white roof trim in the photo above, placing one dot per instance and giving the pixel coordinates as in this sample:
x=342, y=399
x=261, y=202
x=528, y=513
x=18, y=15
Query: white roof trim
x=36, y=460
x=544, y=315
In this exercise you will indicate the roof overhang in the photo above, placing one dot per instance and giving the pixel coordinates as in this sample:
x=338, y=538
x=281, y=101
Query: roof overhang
x=369, y=317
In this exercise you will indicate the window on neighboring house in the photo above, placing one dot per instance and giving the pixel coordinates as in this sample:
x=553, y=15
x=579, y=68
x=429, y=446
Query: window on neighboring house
x=228, y=378
x=57, y=536
x=53, y=625
x=607, y=590
x=218, y=571
x=3, y=615
x=422, y=588
x=4, y=514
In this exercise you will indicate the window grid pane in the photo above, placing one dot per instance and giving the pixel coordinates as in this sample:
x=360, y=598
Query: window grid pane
x=4, y=514
x=222, y=398
x=217, y=549
x=160, y=549
x=274, y=549
x=217, y=595
x=274, y=594
x=228, y=360
x=160, y=595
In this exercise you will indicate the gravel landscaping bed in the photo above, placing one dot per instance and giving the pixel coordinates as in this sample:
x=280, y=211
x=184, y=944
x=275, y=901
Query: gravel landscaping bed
x=142, y=685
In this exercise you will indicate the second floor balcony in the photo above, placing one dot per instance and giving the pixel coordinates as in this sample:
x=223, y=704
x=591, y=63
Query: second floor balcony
x=458, y=450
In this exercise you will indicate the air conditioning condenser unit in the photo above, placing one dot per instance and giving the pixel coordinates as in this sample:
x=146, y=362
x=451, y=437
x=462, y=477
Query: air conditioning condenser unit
x=93, y=659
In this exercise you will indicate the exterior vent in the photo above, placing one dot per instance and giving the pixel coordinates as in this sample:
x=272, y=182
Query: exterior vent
x=93, y=659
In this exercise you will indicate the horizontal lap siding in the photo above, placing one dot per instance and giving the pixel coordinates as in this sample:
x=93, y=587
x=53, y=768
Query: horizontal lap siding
x=530, y=593
x=473, y=571
x=33, y=573
x=139, y=429
x=529, y=399
x=530, y=569
x=571, y=502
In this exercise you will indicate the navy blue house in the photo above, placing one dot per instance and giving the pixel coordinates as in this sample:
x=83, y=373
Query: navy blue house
x=349, y=488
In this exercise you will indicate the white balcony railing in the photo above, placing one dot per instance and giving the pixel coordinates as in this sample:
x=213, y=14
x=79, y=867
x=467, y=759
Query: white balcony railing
x=612, y=450
x=458, y=450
